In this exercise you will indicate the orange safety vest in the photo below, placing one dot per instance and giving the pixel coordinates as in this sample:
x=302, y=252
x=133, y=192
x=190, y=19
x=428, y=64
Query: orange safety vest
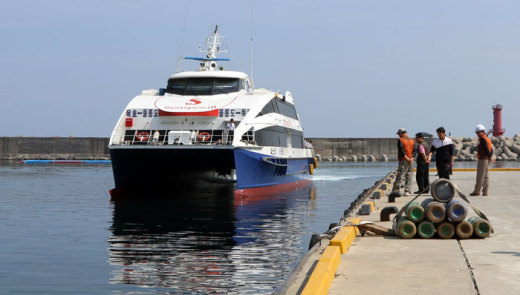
x=407, y=144
x=482, y=151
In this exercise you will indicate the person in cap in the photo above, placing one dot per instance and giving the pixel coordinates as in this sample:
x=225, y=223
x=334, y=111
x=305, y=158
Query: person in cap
x=405, y=169
x=485, y=156
x=443, y=149
x=423, y=164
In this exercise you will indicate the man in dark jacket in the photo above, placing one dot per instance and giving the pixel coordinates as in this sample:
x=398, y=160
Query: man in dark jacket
x=423, y=164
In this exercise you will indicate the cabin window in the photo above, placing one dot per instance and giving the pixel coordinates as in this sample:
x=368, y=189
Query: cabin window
x=270, y=107
x=297, y=139
x=202, y=86
x=271, y=136
x=286, y=109
x=277, y=136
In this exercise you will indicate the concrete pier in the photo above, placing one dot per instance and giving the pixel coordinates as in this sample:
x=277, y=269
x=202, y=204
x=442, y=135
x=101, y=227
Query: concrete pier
x=376, y=264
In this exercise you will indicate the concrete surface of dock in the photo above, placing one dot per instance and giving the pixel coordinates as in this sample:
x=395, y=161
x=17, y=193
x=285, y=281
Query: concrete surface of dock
x=391, y=265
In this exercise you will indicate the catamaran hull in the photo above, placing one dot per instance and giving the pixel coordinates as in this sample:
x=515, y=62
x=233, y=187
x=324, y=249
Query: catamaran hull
x=147, y=170
x=259, y=174
x=139, y=170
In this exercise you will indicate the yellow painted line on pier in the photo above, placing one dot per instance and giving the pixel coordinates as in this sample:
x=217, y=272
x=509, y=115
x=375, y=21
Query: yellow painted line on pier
x=475, y=169
x=323, y=273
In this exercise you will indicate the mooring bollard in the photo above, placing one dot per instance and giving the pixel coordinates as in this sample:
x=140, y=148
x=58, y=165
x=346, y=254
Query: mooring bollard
x=385, y=213
x=392, y=196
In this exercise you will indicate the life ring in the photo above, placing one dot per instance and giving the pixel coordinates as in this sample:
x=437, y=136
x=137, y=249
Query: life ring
x=204, y=136
x=143, y=136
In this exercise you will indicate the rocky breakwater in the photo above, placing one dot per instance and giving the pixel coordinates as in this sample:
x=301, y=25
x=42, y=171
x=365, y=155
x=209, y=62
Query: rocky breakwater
x=504, y=149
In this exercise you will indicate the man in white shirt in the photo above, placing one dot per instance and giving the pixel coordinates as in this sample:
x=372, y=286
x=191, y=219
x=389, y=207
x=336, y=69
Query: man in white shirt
x=230, y=132
x=443, y=148
x=231, y=125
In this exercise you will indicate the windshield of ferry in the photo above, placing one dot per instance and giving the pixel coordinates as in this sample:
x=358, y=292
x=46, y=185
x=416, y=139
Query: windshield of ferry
x=202, y=86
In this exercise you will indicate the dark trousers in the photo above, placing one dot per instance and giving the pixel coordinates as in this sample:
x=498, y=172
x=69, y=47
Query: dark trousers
x=422, y=176
x=444, y=169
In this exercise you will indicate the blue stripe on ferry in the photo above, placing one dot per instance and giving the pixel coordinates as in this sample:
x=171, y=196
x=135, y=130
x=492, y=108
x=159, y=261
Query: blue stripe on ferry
x=253, y=172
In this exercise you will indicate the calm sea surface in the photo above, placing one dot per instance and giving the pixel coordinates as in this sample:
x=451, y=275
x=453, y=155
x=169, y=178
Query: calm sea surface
x=60, y=234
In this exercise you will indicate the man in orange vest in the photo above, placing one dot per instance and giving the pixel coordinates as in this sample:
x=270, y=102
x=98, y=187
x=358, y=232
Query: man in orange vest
x=484, y=155
x=405, y=169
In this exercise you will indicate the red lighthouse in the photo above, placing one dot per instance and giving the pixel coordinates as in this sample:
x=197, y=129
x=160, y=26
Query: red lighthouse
x=497, y=120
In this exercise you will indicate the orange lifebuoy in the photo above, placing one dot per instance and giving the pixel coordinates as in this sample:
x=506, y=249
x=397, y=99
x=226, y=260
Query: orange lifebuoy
x=143, y=136
x=204, y=136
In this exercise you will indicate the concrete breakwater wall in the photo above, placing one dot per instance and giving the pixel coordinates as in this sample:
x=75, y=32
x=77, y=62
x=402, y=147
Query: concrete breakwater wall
x=54, y=148
x=352, y=149
x=333, y=149
x=385, y=149
x=75, y=148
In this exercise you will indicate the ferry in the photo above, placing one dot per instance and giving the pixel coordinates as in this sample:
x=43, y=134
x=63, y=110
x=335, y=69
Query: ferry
x=210, y=126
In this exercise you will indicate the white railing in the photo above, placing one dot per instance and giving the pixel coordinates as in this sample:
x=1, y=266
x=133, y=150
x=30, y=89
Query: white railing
x=160, y=137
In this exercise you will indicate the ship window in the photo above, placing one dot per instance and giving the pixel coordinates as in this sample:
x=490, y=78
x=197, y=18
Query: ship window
x=297, y=139
x=202, y=86
x=270, y=107
x=286, y=109
x=272, y=136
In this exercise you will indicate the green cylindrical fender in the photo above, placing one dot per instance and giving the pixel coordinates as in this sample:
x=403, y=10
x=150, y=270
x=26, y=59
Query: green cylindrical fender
x=481, y=227
x=405, y=228
x=426, y=229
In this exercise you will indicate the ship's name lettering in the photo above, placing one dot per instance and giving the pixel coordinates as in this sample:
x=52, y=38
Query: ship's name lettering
x=232, y=113
x=142, y=113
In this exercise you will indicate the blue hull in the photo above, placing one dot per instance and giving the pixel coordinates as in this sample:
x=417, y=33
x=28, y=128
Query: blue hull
x=257, y=170
x=137, y=170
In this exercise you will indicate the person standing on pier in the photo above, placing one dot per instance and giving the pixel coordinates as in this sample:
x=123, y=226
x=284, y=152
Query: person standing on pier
x=423, y=165
x=443, y=148
x=484, y=155
x=405, y=169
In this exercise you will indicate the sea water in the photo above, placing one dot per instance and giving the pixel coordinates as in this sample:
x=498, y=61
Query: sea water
x=61, y=234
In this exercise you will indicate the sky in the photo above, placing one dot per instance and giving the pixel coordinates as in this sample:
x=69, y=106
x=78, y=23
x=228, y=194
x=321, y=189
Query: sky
x=355, y=68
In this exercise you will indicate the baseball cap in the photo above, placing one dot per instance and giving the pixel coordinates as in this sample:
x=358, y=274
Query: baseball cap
x=401, y=130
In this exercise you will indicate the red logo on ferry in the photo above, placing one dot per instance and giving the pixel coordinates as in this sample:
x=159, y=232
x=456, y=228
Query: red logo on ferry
x=193, y=101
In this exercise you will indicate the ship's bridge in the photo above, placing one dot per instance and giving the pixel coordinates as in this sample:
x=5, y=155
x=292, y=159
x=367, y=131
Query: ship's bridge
x=207, y=83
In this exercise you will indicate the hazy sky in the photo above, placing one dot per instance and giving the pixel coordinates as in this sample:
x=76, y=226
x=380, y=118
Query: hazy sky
x=356, y=68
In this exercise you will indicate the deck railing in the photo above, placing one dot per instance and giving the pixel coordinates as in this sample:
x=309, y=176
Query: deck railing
x=160, y=137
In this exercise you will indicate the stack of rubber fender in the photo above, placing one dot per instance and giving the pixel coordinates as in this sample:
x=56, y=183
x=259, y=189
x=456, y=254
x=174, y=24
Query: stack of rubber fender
x=441, y=216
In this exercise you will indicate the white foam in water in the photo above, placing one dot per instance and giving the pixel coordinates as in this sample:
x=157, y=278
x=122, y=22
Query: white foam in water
x=334, y=177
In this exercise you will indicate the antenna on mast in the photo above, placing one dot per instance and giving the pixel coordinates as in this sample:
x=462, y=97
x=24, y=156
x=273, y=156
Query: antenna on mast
x=208, y=63
x=180, y=58
x=251, y=45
